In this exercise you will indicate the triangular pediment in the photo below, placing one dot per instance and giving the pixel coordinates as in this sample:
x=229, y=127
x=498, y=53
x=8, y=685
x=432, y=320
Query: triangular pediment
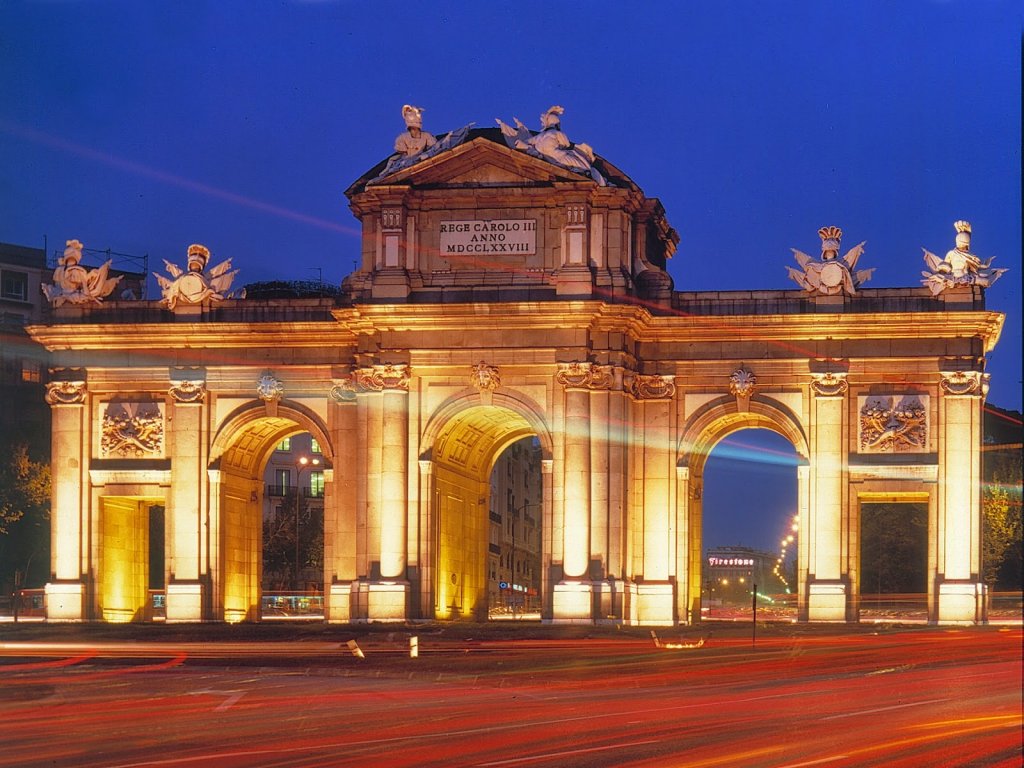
x=483, y=162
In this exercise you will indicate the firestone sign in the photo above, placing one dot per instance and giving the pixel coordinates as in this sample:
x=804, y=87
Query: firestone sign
x=727, y=562
x=489, y=237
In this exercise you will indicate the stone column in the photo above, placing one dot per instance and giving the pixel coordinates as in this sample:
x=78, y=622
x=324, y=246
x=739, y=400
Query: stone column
x=961, y=596
x=572, y=595
x=340, y=502
x=216, y=575
x=656, y=593
x=687, y=592
x=186, y=505
x=69, y=512
x=827, y=589
x=387, y=388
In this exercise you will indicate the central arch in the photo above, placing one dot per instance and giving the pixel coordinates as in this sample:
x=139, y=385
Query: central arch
x=465, y=440
x=240, y=453
x=704, y=430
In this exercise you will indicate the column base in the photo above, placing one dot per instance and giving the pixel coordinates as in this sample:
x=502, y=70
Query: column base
x=826, y=601
x=961, y=602
x=655, y=603
x=65, y=601
x=184, y=601
x=614, y=602
x=386, y=601
x=339, y=604
x=572, y=603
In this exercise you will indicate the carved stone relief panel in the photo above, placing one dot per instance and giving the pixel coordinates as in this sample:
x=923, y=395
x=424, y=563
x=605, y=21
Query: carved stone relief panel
x=892, y=423
x=132, y=430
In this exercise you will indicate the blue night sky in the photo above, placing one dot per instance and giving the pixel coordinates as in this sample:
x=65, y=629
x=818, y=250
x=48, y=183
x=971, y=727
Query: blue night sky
x=144, y=127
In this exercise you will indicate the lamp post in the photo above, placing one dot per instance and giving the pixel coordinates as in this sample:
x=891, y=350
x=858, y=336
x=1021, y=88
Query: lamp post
x=515, y=515
x=301, y=463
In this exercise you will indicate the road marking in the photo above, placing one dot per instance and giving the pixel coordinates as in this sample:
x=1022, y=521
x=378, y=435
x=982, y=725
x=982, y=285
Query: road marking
x=883, y=709
x=823, y=760
x=549, y=755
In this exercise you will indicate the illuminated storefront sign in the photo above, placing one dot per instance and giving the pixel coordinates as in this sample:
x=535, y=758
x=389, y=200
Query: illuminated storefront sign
x=729, y=562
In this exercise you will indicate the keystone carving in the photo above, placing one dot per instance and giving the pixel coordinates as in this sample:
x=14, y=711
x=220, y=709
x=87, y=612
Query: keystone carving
x=742, y=382
x=268, y=388
x=485, y=377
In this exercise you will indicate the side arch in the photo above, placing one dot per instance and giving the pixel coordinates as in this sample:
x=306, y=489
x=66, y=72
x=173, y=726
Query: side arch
x=252, y=420
x=516, y=402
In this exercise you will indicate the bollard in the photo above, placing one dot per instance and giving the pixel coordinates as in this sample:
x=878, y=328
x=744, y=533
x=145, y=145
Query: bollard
x=414, y=647
x=356, y=650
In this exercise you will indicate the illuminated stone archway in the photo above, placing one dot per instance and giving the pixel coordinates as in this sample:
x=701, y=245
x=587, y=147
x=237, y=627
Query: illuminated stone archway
x=707, y=427
x=240, y=452
x=499, y=293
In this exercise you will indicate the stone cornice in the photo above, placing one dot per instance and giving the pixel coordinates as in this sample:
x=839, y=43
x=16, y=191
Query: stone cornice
x=166, y=336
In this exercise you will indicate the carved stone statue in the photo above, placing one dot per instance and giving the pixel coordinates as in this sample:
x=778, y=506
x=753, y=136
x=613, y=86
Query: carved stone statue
x=74, y=284
x=415, y=140
x=960, y=267
x=416, y=145
x=552, y=144
x=831, y=276
x=197, y=284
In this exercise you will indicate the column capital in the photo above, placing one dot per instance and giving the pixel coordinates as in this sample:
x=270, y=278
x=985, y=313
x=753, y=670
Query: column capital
x=66, y=392
x=973, y=383
x=585, y=376
x=392, y=377
x=829, y=384
x=651, y=386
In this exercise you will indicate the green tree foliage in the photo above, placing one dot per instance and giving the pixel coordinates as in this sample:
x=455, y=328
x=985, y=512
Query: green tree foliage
x=1001, y=520
x=894, y=548
x=24, y=516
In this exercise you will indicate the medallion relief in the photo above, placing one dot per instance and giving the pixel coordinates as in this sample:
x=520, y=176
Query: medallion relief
x=484, y=377
x=829, y=384
x=268, y=388
x=132, y=430
x=893, y=423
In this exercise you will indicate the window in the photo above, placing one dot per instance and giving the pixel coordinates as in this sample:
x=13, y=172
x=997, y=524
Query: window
x=14, y=285
x=282, y=479
x=284, y=445
x=30, y=371
x=316, y=484
x=314, y=446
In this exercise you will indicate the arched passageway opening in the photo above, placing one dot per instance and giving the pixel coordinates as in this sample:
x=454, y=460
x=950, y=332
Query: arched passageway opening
x=488, y=512
x=750, y=525
x=268, y=519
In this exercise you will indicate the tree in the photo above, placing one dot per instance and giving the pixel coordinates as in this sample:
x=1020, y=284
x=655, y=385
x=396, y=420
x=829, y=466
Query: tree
x=1001, y=520
x=894, y=548
x=24, y=516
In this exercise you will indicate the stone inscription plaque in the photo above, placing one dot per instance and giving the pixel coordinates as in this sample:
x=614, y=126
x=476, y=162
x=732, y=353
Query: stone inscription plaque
x=490, y=237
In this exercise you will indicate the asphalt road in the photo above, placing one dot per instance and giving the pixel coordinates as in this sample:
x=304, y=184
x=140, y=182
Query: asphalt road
x=921, y=696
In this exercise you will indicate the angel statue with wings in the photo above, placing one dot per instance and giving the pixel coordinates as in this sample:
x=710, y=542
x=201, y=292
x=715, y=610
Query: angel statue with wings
x=74, y=284
x=830, y=276
x=197, y=284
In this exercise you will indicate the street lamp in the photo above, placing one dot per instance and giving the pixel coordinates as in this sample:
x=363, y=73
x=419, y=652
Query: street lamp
x=300, y=464
x=512, y=570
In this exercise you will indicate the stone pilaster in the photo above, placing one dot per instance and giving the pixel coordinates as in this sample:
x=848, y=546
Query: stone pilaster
x=827, y=589
x=66, y=597
x=340, y=515
x=186, y=505
x=961, y=598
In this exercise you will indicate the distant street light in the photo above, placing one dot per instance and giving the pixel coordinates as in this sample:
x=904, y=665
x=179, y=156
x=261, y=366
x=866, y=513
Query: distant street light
x=301, y=463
